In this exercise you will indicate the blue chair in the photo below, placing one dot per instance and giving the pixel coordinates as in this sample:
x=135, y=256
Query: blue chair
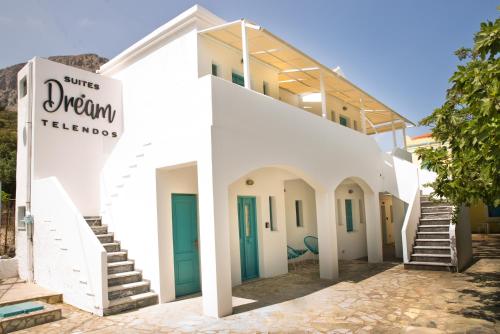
x=311, y=243
x=294, y=253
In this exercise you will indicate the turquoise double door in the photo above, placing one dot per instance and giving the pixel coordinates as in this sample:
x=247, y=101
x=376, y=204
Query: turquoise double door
x=186, y=250
x=249, y=255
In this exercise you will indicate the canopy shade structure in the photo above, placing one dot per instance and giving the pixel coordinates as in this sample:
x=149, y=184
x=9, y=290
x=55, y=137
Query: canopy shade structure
x=301, y=74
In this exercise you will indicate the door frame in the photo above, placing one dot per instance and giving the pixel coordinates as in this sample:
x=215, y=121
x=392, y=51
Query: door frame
x=257, y=259
x=173, y=195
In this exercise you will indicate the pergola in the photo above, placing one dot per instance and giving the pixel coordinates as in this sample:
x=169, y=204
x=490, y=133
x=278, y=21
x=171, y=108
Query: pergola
x=300, y=74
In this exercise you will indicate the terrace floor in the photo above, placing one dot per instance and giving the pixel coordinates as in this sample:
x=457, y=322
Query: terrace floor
x=368, y=298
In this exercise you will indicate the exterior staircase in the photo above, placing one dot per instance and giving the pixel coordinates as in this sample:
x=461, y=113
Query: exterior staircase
x=432, y=249
x=126, y=288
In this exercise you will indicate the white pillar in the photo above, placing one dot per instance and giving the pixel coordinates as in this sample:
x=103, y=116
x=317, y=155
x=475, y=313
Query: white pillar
x=327, y=235
x=404, y=137
x=246, y=57
x=363, y=116
x=214, y=243
x=394, y=142
x=373, y=227
x=323, y=94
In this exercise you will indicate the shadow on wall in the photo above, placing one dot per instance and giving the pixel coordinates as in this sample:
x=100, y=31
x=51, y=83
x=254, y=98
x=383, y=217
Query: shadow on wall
x=300, y=282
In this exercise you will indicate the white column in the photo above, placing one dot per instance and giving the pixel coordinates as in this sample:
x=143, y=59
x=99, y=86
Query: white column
x=323, y=94
x=214, y=243
x=373, y=227
x=327, y=235
x=246, y=57
x=363, y=116
x=404, y=137
x=394, y=142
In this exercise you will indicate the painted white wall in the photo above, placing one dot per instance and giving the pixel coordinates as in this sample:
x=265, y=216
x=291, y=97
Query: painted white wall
x=463, y=238
x=175, y=180
x=351, y=245
x=68, y=257
x=300, y=190
x=399, y=211
x=272, y=244
x=8, y=268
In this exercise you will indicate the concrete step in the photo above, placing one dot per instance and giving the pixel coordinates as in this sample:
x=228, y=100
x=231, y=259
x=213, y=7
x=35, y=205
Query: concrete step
x=437, y=208
x=128, y=289
x=100, y=229
x=432, y=249
x=434, y=222
x=433, y=242
x=434, y=228
x=48, y=314
x=429, y=266
x=124, y=278
x=106, y=238
x=436, y=214
x=111, y=246
x=120, y=267
x=93, y=220
x=117, y=256
x=131, y=302
x=428, y=204
x=445, y=258
x=433, y=235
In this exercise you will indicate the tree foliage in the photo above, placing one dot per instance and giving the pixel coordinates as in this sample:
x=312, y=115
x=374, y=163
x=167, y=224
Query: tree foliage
x=467, y=124
x=8, y=143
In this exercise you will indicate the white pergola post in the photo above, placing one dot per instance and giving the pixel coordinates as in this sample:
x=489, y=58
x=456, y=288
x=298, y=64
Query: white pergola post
x=246, y=56
x=323, y=94
x=363, y=116
x=373, y=227
x=404, y=137
x=394, y=141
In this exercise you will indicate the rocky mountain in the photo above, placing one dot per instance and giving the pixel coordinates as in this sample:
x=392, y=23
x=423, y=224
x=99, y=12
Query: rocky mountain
x=8, y=76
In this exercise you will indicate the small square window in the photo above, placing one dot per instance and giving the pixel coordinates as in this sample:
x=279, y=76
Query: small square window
x=215, y=70
x=493, y=211
x=23, y=87
x=299, y=216
x=238, y=79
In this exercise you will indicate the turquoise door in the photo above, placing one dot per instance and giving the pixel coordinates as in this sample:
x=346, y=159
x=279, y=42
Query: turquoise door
x=186, y=253
x=348, y=215
x=248, y=238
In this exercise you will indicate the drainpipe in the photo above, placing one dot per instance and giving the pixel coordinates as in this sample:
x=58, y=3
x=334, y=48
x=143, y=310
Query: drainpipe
x=28, y=217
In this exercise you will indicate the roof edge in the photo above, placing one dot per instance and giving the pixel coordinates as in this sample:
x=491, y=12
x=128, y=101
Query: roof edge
x=147, y=43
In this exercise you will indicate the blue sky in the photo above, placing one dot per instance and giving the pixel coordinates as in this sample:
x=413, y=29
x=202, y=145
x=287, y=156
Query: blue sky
x=400, y=51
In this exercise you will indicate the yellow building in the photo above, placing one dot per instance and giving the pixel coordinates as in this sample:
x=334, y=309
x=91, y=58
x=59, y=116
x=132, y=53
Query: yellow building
x=483, y=219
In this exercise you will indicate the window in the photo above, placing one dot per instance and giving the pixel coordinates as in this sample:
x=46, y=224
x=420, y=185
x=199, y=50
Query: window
x=23, y=87
x=299, y=218
x=344, y=121
x=238, y=79
x=493, y=211
x=265, y=88
x=348, y=215
x=272, y=213
x=332, y=116
x=21, y=215
x=354, y=125
x=215, y=70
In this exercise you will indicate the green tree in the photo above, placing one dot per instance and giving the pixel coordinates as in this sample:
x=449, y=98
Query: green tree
x=8, y=142
x=467, y=124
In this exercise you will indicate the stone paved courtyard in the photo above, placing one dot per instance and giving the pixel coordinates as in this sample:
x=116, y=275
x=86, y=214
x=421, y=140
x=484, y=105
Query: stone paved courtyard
x=369, y=298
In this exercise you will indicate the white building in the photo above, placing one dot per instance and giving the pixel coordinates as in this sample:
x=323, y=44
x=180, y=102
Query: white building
x=222, y=145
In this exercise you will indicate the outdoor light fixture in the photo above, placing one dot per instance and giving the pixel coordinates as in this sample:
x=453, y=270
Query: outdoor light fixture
x=249, y=182
x=350, y=191
x=344, y=108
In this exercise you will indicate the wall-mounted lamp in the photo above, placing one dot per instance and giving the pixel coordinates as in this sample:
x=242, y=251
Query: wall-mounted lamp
x=249, y=182
x=344, y=108
x=350, y=191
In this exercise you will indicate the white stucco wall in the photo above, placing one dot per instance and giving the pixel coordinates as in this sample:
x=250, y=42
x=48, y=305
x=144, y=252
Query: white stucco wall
x=351, y=245
x=272, y=244
x=300, y=190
